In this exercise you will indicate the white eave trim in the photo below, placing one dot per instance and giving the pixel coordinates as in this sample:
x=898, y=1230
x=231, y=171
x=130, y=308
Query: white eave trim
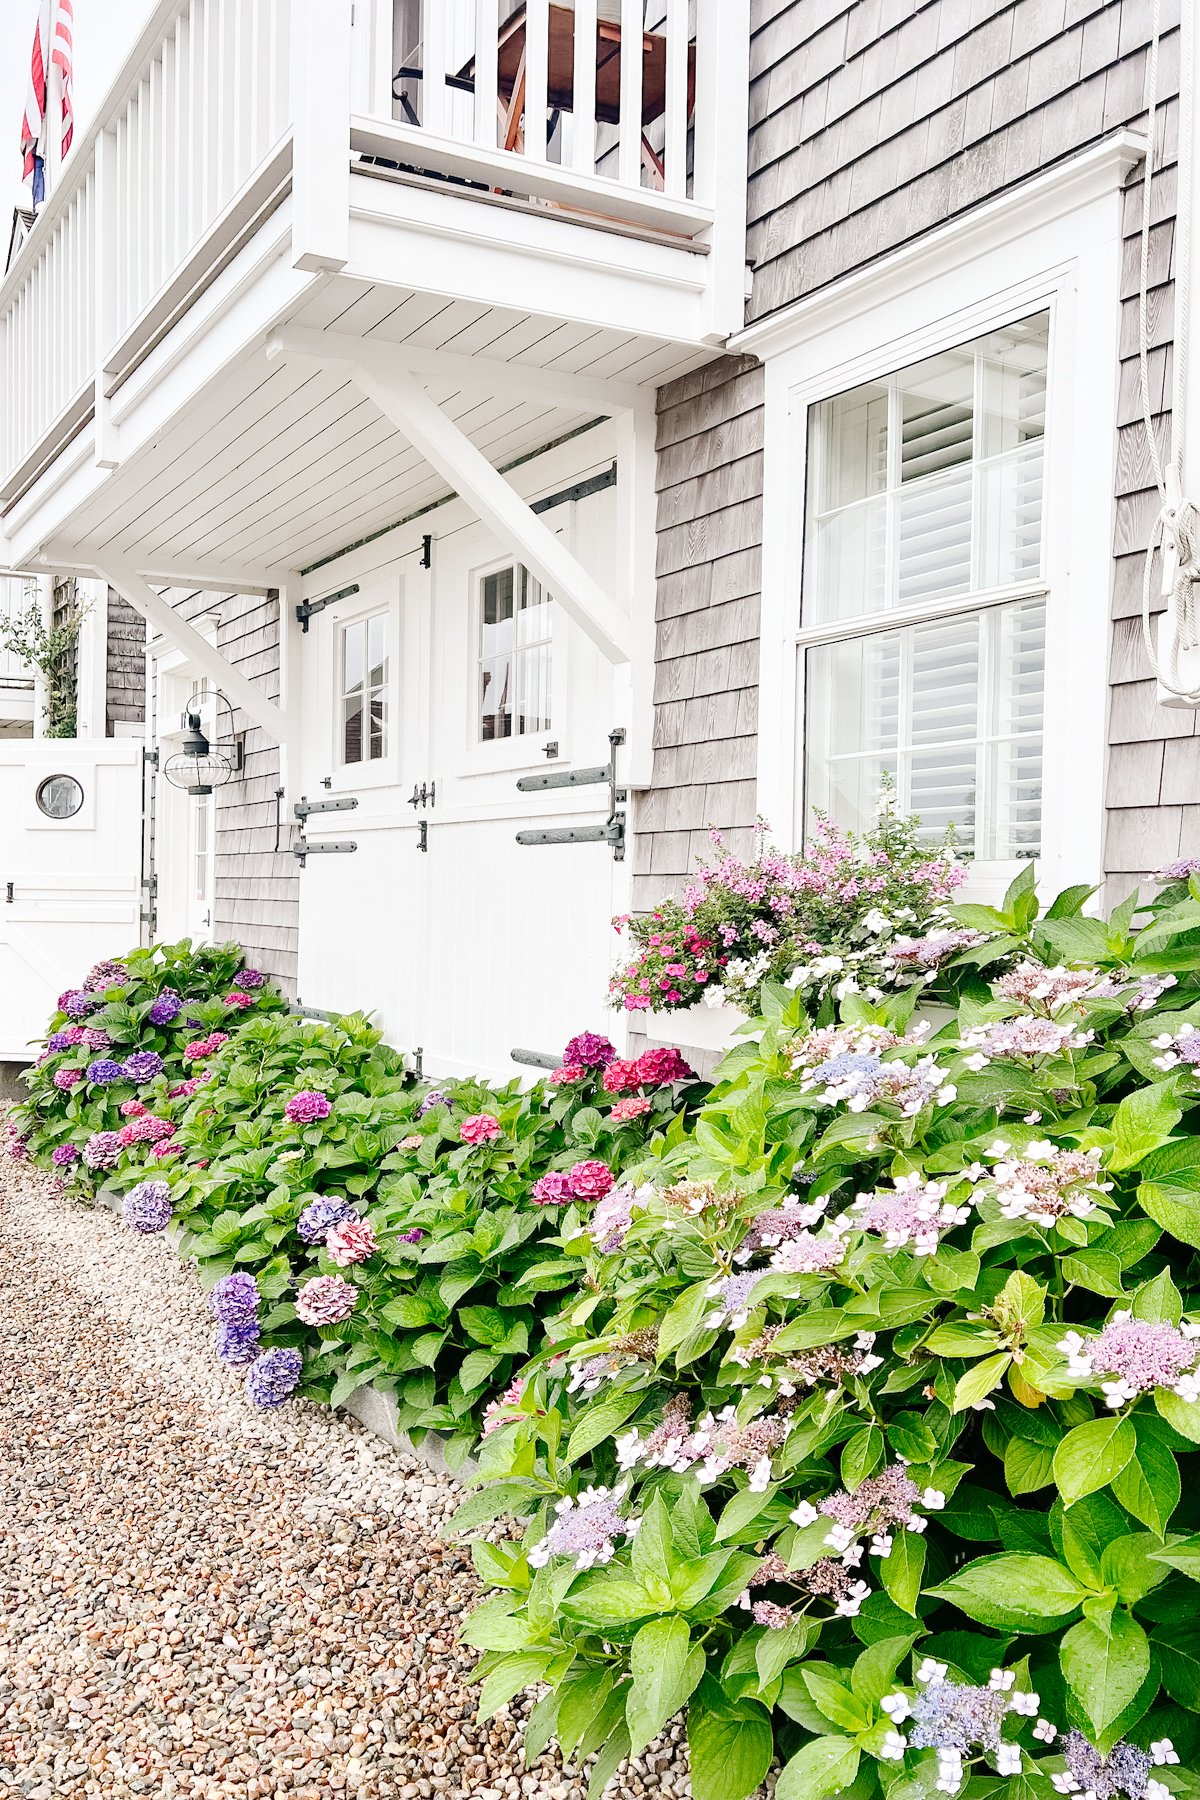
x=1040, y=201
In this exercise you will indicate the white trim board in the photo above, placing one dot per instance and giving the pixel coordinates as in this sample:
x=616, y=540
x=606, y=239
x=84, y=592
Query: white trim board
x=1053, y=245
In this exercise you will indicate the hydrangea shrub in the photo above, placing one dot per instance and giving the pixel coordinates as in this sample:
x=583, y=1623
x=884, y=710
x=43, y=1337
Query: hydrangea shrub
x=871, y=1441
x=848, y=913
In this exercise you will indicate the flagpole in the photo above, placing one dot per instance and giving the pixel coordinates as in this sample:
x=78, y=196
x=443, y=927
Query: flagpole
x=52, y=139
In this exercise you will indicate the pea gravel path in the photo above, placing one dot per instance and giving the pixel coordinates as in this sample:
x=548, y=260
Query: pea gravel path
x=199, y=1600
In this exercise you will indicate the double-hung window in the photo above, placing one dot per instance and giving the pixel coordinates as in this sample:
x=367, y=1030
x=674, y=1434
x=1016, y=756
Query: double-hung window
x=923, y=612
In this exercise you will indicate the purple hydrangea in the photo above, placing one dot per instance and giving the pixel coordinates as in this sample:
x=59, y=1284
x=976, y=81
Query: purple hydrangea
x=433, y=1098
x=589, y=1051
x=63, y=1155
x=238, y=1339
x=234, y=1299
x=76, y=1004
x=324, y=1213
x=249, y=978
x=307, y=1107
x=148, y=1206
x=58, y=1040
x=1125, y=1770
x=143, y=1065
x=106, y=975
x=104, y=1071
x=951, y=1716
x=166, y=1009
x=94, y=1039
x=272, y=1377
x=103, y=1149
x=414, y=1236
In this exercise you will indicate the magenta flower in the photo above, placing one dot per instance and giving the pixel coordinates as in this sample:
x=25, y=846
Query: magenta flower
x=590, y=1180
x=353, y=1241
x=554, y=1189
x=620, y=1077
x=568, y=1075
x=239, y=1000
x=63, y=1155
x=67, y=1078
x=481, y=1128
x=102, y=1150
x=589, y=1050
x=659, y=1068
x=306, y=1108
x=326, y=1300
x=132, y=1109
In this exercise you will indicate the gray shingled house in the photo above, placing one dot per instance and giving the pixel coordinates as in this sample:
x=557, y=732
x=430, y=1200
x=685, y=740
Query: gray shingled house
x=508, y=438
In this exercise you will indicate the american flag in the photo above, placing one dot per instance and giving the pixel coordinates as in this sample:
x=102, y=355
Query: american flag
x=52, y=47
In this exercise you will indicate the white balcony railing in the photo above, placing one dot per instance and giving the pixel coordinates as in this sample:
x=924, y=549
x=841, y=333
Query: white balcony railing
x=225, y=106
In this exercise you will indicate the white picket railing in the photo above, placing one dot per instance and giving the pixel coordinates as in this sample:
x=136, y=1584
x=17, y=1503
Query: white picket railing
x=47, y=334
x=207, y=107
x=547, y=82
x=225, y=103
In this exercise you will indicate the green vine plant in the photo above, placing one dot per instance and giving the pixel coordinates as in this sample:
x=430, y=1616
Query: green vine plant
x=51, y=650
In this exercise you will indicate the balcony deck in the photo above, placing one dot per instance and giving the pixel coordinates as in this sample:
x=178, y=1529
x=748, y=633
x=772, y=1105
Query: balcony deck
x=248, y=185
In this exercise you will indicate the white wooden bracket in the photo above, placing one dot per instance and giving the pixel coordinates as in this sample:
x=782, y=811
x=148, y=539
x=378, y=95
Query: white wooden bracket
x=202, y=655
x=402, y=399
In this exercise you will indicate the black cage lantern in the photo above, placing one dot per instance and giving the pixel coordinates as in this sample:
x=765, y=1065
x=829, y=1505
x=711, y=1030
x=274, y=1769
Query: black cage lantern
x=200, y=765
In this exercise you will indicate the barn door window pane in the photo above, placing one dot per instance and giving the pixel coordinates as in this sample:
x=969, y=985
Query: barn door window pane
x=514, y=654
x=364, y=690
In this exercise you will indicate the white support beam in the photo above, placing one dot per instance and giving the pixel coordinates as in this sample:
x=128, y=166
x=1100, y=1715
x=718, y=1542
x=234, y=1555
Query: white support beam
x=636, y=562
x=401, y=398
x=206, y=578
x=486, y=374
x=202, y=655
x=321, y=85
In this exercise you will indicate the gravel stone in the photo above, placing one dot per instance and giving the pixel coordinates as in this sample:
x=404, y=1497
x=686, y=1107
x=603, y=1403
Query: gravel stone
x=202, y=1602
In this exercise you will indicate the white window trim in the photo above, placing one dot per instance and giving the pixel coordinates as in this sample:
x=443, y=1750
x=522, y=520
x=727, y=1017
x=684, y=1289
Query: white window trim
x=1053, y=245
x=348, y=777
x=526, y=751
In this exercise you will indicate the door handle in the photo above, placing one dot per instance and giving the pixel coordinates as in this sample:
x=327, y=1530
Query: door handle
x=8, y=893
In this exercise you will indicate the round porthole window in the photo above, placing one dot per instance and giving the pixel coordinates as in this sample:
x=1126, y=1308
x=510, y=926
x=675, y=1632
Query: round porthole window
x=59, y=796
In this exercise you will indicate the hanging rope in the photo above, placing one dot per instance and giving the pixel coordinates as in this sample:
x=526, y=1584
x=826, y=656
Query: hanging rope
x=1176, y=528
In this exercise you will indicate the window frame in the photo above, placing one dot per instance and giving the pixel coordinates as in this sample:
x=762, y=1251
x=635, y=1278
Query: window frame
x=377, y=600
x=1053, y=245
x=526, y=750
x=995, y=873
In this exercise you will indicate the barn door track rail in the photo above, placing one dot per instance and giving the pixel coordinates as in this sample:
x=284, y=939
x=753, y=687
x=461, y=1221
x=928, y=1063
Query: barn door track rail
x=613, y=829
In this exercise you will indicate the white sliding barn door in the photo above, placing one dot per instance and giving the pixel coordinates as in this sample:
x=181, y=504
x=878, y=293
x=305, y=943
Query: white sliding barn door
x=70, y=871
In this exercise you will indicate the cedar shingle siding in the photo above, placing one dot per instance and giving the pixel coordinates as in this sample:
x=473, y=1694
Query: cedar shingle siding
x=709, y=481
x=256, y=887
x=872, y=122
x=125, y=681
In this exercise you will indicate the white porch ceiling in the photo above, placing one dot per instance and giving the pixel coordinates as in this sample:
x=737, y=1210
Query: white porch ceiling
x=280, y=467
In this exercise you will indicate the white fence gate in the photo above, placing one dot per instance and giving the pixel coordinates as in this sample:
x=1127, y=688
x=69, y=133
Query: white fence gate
x=70, y=871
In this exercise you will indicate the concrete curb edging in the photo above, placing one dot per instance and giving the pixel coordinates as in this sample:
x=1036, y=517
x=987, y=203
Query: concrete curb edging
x=374, y=1407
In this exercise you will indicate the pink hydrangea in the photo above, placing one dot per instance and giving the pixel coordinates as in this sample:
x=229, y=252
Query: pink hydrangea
x=75, y=1034
x=353, y=1241
x=165, y=1149
x=568, y=1074
x=621, y=1077
x=554, y=1189
x=146, y=1130
x=480, y=1128
x=505, y=1409
x=412, y=1143
x=660, y=1067
x=239, y=1000
x=631, y=1108
x=67, y=1078
x=307, y=1107
x=326, y=1300
x=132, y=1109
x=184, y=1090
x=590, y=1180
